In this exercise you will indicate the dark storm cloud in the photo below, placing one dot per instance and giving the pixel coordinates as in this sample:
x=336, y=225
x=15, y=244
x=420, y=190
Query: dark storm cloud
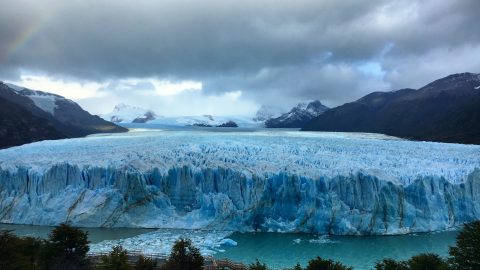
x=271, y=50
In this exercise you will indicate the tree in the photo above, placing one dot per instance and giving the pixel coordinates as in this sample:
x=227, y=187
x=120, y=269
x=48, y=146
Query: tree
x=390, y=264
x=117, y=259
x=257, y=265
x=297, y=267
x=144, y=263
x=321, y=264
x=428, y=261
x=66, y=249
x=29, y=248
x=18, y=252
x=466, y=254
x=8, y=254
x=184, y=256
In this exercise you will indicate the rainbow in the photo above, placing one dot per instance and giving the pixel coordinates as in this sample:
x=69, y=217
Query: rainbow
x=24, y=36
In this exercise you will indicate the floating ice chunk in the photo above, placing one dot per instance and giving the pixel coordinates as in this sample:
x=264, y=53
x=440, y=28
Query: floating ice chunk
x=228, y=242
x=322, y=239
x=161, y=242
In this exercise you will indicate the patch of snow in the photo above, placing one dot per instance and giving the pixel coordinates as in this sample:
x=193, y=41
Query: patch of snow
x=124, y=113
x=15, y=87
x=44, y=102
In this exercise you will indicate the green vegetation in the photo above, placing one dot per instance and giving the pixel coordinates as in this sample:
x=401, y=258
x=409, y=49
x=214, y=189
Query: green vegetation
x=66, y=249
x=425, y=261
x=145, y=263
x=18, y=253
x=257, y=265
x=322, y=264
x=184, y=256
x=297, y=267
x=117, y=259
x=466, y=254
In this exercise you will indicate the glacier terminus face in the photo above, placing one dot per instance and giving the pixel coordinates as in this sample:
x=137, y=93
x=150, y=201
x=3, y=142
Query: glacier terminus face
x=264, y=180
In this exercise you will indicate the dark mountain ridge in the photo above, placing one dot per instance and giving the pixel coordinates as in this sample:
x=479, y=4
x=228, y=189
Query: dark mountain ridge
x=446, y=110
x=52, y=117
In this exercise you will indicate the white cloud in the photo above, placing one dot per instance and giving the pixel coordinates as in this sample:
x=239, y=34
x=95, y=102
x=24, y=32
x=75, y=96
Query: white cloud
x=165, y=97
x=69, y=89
x=168, y=88
x=274, y=52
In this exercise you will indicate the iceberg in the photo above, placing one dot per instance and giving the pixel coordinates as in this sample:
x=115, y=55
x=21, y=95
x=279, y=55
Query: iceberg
x=280, y=181
x=161, y=242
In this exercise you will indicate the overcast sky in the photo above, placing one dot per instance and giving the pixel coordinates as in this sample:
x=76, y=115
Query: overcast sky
x=229, y=57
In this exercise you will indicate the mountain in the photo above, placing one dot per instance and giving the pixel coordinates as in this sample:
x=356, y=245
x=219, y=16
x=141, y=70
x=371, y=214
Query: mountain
x=28, y=115
x=267, y=112
x=124, y=113
x=298, y=116
x=19, y=126
x=207, y=121
x=446, y=110
x=229, y=124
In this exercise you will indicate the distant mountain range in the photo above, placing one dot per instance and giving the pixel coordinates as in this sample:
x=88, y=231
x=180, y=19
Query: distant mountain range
x=125, y=114
x=298, y=116
x=446, y=110
x=27, y=115
x=270, y=117
x=207, y=121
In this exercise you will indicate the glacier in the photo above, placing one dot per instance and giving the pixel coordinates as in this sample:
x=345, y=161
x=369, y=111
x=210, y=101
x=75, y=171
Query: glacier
x=282, y=181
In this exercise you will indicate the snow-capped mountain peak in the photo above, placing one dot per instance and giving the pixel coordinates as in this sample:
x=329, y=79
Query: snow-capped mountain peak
x=15, y=87
x=298, y=115
x=124, y=113
x=43, y=100
x=267, y=112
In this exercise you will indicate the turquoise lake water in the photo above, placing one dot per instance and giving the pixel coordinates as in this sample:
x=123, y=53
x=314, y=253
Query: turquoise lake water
x=284, y=250
x=280, y=251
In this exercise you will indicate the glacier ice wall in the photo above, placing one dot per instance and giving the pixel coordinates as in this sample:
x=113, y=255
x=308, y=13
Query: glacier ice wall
x=179, y=181
x=218, y=198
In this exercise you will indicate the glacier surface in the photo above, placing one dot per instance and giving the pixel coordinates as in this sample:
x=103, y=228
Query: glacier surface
x=285, y=181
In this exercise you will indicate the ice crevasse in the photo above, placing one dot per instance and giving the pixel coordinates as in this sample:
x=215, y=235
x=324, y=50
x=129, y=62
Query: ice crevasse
x=326, y=183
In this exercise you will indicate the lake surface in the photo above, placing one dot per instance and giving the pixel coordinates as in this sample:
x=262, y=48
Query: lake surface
x=279, y=250
x=284, y=250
